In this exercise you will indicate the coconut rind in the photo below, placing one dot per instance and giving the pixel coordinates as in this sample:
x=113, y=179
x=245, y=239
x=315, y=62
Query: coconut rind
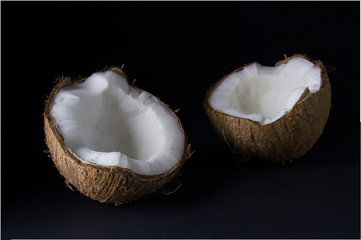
x=287, y=138
x=106, y=184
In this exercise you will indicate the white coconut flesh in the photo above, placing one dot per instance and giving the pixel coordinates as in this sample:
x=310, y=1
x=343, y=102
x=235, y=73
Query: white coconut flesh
x=264, y=94
x=105, y=121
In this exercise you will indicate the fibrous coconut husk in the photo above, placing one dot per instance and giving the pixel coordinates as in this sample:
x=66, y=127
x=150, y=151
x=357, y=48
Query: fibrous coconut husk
x=287, y=138
x=107, y=184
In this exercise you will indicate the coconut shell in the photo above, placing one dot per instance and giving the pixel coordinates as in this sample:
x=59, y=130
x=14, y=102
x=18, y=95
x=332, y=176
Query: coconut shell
x=107, y=184
x=287, y=138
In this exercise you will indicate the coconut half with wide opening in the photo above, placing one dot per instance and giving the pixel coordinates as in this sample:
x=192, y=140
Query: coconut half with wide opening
x=110, y=140
x=272, y=113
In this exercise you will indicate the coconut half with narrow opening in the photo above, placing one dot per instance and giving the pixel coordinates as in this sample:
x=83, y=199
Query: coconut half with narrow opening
x=112, y=141
x=271, y=113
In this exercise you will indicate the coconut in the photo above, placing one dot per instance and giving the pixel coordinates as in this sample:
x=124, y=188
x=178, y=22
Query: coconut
x=271, y=113
x=110, y=140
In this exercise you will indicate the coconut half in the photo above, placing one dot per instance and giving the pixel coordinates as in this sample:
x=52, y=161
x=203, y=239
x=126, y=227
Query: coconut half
x=272, y=113
x=112, y=141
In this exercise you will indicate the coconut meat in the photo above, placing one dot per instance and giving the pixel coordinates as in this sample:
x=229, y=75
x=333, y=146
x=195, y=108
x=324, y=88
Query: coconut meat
x=264, y=94
x=105, y=121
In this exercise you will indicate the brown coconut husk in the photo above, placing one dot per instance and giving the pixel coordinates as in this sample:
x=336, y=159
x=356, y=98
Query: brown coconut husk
x=107, y=184
x=287, y=138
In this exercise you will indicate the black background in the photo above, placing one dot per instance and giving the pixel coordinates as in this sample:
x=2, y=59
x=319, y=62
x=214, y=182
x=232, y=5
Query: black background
x=176, y=51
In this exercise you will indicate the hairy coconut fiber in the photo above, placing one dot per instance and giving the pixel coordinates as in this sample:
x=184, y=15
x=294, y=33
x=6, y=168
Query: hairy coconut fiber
x=287, y=138
x=107, y=184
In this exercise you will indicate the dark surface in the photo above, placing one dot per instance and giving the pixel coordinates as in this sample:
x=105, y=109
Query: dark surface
x=177, y=51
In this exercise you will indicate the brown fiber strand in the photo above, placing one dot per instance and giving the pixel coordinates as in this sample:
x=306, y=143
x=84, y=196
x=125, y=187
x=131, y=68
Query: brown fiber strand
x=283, y=140
x=102, y=183
x=174, y=190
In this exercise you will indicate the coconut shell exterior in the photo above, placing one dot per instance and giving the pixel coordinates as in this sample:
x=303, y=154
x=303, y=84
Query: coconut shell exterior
x=107, y=184
x=287, y=138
